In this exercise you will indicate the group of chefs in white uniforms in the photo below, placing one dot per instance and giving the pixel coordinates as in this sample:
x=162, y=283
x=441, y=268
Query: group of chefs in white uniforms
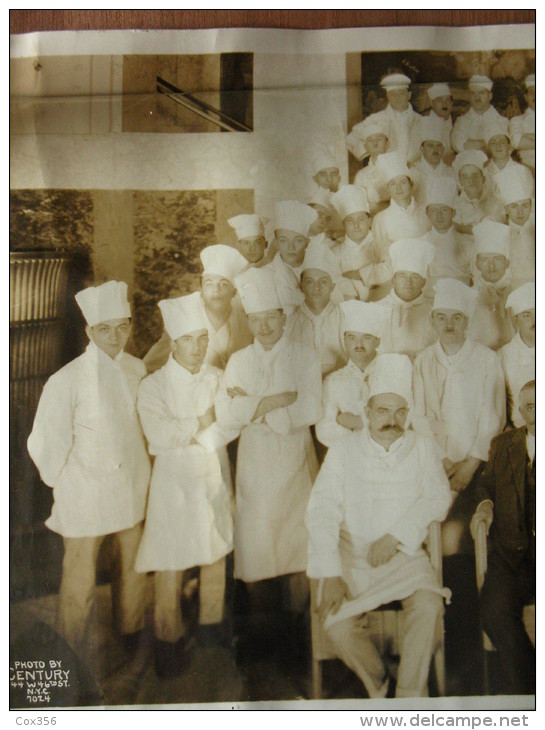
x=312, y=330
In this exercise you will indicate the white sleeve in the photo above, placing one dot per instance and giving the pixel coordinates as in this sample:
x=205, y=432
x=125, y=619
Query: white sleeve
x=433, y=503
x=163, y=431
x=233, y=414
x=52, y=435
x=493, y=406
x=327, y=429
x=324, y=516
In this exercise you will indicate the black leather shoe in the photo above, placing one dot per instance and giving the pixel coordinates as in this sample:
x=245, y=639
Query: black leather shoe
x=171, y=659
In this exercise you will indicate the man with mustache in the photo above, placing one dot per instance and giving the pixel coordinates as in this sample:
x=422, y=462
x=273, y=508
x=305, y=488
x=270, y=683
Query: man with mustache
x=368, y=515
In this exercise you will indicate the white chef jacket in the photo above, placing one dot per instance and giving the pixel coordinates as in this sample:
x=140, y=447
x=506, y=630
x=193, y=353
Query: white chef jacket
x=344, y=391
x=287, y=282
x=408, y=329
x=460, y=399
x=276, y=462
x=390, y=225
x=491, y=324
x=88, y=445
x=518, y=361
x=320, y=332
x=472, y=125
x=470, y=211
x=522, y=124
x=354, y=256
x=491, y=170
x=369, y=179
x=189, y=518
x=522, y=251
x=422, y=171
x=453, y=257
x=400, y=130
x=233, y=335
x=364, y=492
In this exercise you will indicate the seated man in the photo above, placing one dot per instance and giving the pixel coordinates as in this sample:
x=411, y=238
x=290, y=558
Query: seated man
x=408, y=329
x=345, y=391
x=453, y=251
x=459, y=395
x=368, y=515
x=227, y=326
x=271, y=394
x=516, y=195
x=518, y=357
x=316, y=323
x=89, y=447
x=508, y=508
x=491, y=324
x=189, y=518
x=293, y=221
x=251, y=241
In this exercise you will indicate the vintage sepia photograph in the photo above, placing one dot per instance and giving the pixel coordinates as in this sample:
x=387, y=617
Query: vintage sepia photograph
x=272, y=369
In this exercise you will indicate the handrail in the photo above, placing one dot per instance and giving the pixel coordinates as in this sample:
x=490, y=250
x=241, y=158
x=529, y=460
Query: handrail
x=199, y=107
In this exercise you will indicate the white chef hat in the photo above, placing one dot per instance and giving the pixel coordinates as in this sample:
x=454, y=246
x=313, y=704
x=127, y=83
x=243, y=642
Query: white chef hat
x=441, y=191
x=373, y=124
x=439, y=90
x=368, y=318
x=512, y=186
x=530, y=80
x=391, y=165
x=432, y=128
x=395, y=81
x=294, y=216
x=222, y=260
x=324, y=159
x=454, y=294
x=102, y=303
x=392, y=373
x=522, y=298
x=321, y=196
x=183, y=315
x=469, y=157
x=492, y=237
x=320, y=257
x=248, y=225
x=480, y=82
x=412, y=254
x=257, y=290
x=350, y=199
x=496, y=126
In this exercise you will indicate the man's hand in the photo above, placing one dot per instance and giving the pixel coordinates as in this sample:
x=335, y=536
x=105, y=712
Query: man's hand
x=355, y=274
x=334, y=591
x=272, y=402
x=350, y=420
x=382, y=550
x=462, y=473
x=207, y=419
x=484, y=513
x=236, y=391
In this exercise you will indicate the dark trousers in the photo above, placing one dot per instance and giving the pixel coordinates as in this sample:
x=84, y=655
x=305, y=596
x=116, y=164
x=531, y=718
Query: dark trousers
x=504, y=594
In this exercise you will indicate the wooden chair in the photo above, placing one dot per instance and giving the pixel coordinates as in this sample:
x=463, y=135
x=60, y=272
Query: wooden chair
x=529, y=613
x=385, y=625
